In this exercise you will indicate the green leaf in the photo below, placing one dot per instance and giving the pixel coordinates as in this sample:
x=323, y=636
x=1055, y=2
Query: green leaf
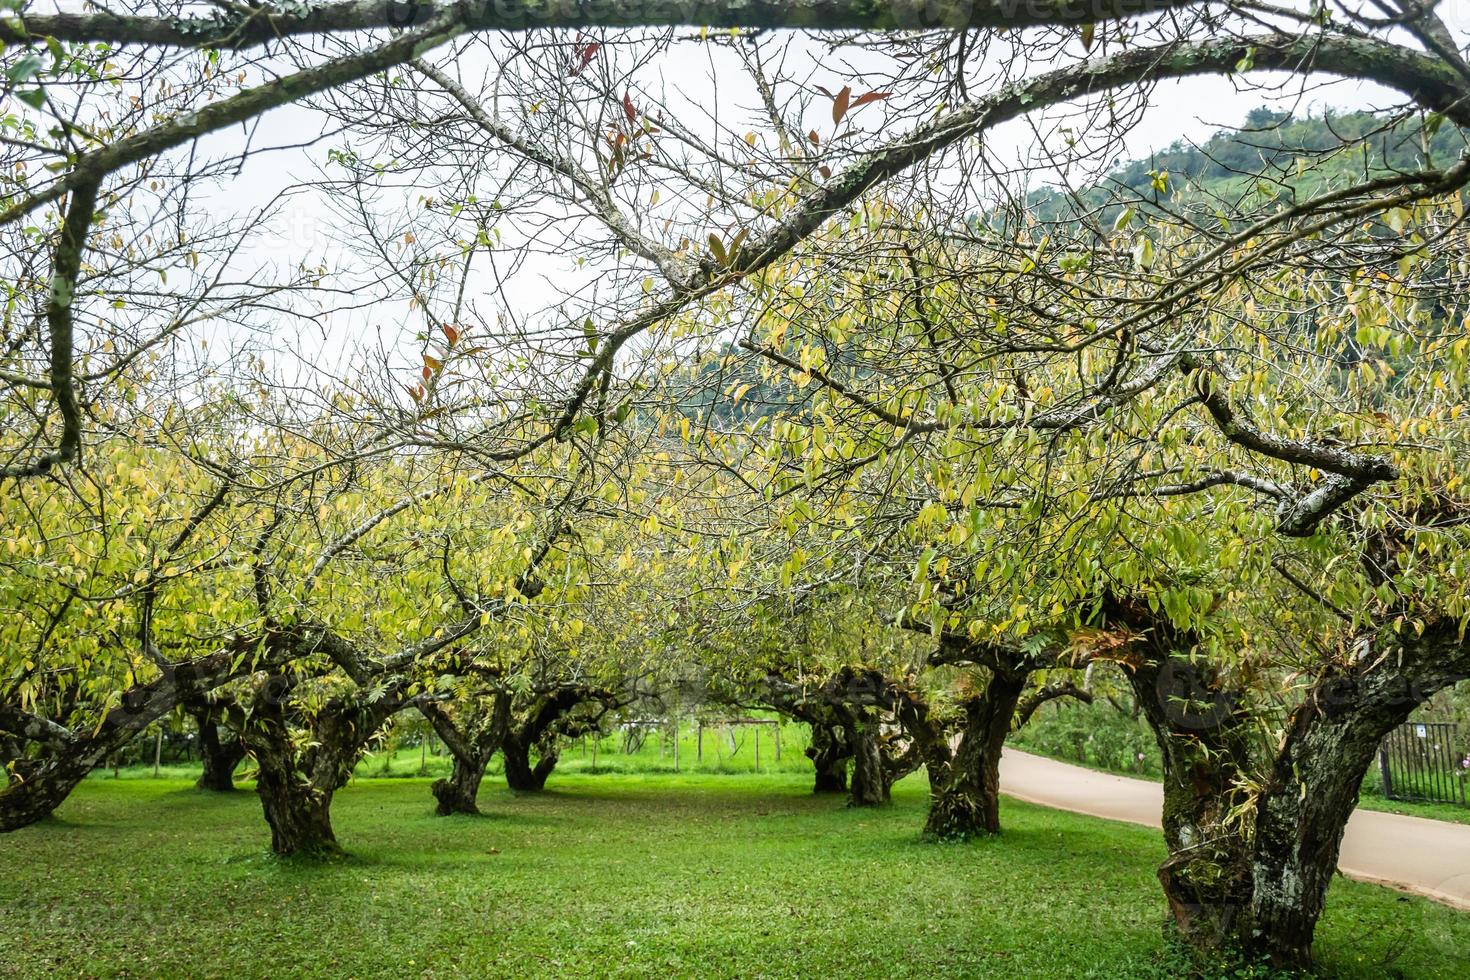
x=25, y=68
x=922, y=569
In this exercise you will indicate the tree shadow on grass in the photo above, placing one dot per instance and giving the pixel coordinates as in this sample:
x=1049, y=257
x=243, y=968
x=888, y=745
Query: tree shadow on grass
x=78, y=825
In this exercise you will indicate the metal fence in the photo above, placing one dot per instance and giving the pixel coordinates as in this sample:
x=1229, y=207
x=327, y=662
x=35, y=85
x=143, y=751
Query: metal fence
x=1424, y=762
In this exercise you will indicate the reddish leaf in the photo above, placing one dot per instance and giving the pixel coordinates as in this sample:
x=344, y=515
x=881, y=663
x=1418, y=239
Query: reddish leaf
x=451, y=334
x=585, y=54
x=428, y=375
x=840, y=103
x=816, y=140
x=863, y=100
x=628, y=109
x=416, y=392
x=825, y=171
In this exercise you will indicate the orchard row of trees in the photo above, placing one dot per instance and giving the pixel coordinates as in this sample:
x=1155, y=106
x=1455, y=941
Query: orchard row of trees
x=806, y=408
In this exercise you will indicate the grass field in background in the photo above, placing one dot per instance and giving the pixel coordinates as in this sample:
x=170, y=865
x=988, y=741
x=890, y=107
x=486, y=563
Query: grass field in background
x=621, y=875
x=725, y=749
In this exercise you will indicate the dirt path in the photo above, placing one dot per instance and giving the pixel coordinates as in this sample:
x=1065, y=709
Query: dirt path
x=1426, y=857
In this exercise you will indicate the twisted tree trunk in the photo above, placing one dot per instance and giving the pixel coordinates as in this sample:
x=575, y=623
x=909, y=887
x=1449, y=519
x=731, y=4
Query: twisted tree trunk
x=966, y=800
x=547, y=721
x=870, y=785
x=458, y=793
x=219, y=755
x=829, y=752
x=66, y=756
x=520, y=774
x=296, y=782
x=1202, y=737
x=472, y=742
x=1312, y=789
x=37, y=790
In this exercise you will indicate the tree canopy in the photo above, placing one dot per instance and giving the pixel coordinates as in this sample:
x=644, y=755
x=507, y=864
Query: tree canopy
x=794, y=385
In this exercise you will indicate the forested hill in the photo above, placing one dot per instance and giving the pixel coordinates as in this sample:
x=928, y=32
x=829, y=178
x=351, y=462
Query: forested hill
x=1271, y=158
x=1272, y=154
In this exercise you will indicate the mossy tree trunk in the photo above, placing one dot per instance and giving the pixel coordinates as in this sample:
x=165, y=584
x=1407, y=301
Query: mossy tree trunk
x=220, y=750
x=62, y=758
x=473, y=736
x=548, y=719
x=964, y=776
x=1254, y=874
x=965, y=799
x=1304, y=809
x=298, y=811
x=1312, y=789
x=869, y=785
x=520, y=774
x=297, y=779
x=38, y=790
x=459, y=793
x=1202, y=737
x=829, y=751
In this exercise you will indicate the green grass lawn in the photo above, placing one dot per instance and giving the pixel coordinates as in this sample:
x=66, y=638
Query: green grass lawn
x=630, y=875
x=1433, y=811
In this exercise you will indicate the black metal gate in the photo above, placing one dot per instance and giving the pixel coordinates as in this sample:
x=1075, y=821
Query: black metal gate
x=1423, y=762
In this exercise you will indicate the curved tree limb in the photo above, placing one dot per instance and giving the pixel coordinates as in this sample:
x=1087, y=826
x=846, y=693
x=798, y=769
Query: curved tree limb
x=66, y=267
x=245, y=27
x=90, y=168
